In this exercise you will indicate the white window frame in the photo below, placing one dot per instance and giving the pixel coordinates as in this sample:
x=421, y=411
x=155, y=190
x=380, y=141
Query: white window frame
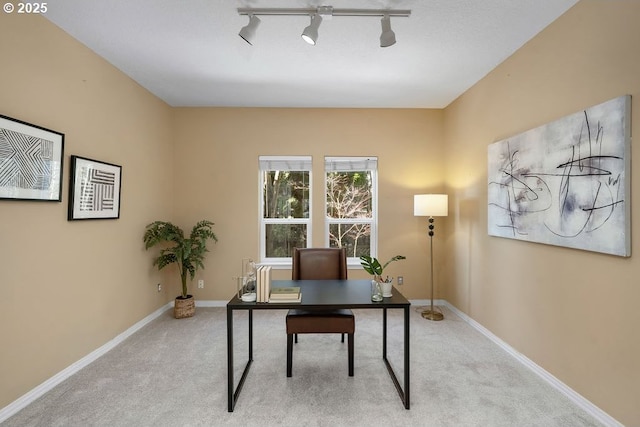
x=282, y=163
x=346, y=164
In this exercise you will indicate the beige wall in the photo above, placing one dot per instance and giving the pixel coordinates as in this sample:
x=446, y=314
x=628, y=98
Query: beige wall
x=572, y=312
x=575, y=313
x=66, y=288
x=217, y=178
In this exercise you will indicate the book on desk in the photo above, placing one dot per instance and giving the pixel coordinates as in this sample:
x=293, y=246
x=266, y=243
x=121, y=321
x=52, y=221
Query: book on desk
x=287, y=294
x=263, y=283
x=265, y=293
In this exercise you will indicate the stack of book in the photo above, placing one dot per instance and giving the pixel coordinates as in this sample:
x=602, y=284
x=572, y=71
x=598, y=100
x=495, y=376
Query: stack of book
x=291, y=294
x=263, y=283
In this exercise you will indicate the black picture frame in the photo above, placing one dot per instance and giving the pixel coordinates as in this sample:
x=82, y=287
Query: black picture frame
x=94, y=189
x=31, y=161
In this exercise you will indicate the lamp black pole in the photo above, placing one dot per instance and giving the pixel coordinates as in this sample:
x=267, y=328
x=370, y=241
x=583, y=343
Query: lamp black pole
x=431, y=314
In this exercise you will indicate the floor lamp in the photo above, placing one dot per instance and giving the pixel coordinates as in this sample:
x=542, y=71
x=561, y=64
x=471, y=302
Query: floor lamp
x=431, y=205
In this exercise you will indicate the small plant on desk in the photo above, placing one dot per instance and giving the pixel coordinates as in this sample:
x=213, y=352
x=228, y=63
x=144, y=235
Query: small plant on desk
x=372, y=266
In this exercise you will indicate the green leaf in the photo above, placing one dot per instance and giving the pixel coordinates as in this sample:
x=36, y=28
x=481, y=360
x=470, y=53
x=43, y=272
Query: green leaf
x=372, y=266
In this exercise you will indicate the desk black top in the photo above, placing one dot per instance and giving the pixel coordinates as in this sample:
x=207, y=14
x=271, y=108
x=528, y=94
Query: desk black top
x=326, y=294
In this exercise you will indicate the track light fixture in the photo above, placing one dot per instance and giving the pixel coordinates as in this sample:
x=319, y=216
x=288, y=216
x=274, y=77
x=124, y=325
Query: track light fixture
x=388, y=37
x=310, y=33
x=248, y=32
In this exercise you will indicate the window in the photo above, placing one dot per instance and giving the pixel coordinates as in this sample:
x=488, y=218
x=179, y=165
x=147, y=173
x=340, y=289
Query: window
x=285, y=207
x=351, y=204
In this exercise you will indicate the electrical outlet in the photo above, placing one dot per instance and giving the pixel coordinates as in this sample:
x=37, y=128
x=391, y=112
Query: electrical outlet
x=159, y=287
x=400, y=280
x=200, y=284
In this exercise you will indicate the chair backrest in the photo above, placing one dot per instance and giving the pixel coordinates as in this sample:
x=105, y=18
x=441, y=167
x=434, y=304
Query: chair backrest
x=319, y=264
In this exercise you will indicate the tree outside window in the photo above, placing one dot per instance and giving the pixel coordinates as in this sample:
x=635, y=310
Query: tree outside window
x=351, y=204
x=285, y=205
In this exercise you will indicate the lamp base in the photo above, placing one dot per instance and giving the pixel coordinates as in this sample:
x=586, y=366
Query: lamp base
x=432, y=315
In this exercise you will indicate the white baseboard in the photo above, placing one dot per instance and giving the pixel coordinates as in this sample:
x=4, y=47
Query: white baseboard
x=427, y=302
x=28, y=398
x=211, y=303
x=205, y=303
x=575, y=397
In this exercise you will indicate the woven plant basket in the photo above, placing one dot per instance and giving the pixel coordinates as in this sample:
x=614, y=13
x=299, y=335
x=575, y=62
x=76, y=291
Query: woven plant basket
x=184, y=307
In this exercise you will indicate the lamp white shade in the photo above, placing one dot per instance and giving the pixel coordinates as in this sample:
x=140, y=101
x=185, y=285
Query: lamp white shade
x=430, y=205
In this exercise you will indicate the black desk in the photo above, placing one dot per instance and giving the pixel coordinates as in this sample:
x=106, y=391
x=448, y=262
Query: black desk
x=330, y=294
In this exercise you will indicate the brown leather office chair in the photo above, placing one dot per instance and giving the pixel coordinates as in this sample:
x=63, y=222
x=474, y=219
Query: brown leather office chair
x=319, y=264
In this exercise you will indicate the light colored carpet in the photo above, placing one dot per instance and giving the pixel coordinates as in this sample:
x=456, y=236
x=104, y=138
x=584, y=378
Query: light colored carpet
x=174, y=373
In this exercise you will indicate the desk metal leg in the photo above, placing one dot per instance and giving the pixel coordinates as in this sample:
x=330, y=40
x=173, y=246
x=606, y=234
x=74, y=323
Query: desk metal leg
x=384, y=333
x=251, y=335
x=230, y=399
x=406, y=357
x=404, y=394
x=233, y=394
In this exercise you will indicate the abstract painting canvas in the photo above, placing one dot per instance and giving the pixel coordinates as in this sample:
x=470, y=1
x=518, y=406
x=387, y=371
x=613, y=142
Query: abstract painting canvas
x=566, y=183
x=94, y=189
x=30, y=161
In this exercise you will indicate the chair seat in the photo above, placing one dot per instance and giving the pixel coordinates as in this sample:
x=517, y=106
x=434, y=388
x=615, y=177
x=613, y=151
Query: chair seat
x=332, y=321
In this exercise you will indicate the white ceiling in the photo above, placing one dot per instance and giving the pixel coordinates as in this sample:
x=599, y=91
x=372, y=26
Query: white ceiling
x=188, y=52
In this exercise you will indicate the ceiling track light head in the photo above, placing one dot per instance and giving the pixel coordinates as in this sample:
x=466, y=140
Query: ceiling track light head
x=388, y=37
x=248, y=32
x=310, y=34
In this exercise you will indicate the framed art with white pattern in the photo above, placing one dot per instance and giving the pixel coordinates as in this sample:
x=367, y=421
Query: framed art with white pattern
x=94, y=189
x=30, y=161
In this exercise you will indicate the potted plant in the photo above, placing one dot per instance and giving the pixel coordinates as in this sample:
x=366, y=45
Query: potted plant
x=188, y=253
x=372, y=266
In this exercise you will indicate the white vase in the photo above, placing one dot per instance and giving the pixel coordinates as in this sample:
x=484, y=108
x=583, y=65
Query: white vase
x=386, y=288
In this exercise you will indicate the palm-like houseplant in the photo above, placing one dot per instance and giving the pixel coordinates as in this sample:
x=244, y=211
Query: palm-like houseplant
x=187, y=253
